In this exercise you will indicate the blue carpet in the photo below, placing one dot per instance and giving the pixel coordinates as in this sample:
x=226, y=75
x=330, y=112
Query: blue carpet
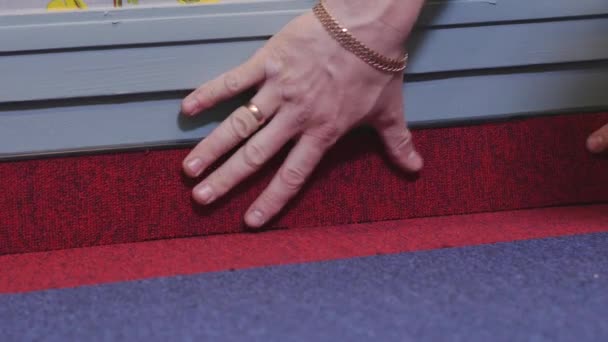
x=541, y=290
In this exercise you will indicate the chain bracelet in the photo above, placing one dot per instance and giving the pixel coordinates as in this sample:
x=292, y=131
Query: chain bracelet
x=350, y=43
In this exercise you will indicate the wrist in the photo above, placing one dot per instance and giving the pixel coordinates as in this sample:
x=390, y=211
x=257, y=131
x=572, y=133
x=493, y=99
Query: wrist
x=384, y=25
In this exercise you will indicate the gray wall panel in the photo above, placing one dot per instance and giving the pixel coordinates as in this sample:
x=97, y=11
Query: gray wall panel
x=225, y=21
x=459, y=12
x=499, y=46
x=116, y=71
x=152, y=122
x=128, y=32
x=69, y=74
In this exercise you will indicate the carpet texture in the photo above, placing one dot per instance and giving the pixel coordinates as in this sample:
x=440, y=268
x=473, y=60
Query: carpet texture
x=539, y=290
x=118, y=198
x=122, y=262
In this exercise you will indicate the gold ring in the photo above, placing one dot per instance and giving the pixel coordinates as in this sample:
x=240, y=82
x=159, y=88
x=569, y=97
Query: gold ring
x=255, y=111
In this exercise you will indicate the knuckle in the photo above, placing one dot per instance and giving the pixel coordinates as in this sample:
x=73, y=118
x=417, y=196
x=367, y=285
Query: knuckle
x=239, y=126
x=404, y=142
x=272, y=68
x=333, y=131
x=288, y=93
x=227, y=132
x=232, y=82
x=292, y=90
x=385, y=122
x=206, y=95
x=219, y=181
x=209, y=149
x=254, y=155
x=278, y=53
x=274, y=198
x=292, y=177
x=308, y=102
x=300, y=119
x=326, y=135
x=269, y=202
x=208, y=153
x=215, y=179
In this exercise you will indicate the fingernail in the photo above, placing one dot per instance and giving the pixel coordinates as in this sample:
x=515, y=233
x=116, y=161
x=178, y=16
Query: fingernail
x=595, y=142
x=415, y=160
x=195, y=166
x=205, y=194
x=256, y=218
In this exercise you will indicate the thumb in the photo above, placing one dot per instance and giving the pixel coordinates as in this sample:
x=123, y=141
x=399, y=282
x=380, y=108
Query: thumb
x=598, y=141
x=399, y=145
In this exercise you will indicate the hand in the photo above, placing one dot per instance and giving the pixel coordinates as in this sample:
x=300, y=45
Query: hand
x=309, y=89
x=598, y=141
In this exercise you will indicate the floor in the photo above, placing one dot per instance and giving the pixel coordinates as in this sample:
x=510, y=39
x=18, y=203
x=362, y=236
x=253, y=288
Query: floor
x=534, y=275
x=537, y=290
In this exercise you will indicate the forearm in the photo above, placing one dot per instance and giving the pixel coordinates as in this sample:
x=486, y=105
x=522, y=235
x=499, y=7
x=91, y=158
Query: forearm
x=382, y=24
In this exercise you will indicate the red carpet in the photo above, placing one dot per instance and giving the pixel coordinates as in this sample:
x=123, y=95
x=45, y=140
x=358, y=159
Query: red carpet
x=122, y=262
x=120, y=198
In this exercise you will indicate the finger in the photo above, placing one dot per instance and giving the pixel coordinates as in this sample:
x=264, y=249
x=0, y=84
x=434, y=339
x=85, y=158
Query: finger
x=239, y=125
x=290, y=178
x=246, y=161
x=598, y=141
x=225, y=86
x=391, y=125
x=399, y=143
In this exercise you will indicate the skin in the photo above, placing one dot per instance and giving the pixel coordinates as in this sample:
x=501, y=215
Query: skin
x=313, y=91
x=598, y=141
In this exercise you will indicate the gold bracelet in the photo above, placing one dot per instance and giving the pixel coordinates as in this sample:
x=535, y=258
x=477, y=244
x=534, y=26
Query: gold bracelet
x=350, y=43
